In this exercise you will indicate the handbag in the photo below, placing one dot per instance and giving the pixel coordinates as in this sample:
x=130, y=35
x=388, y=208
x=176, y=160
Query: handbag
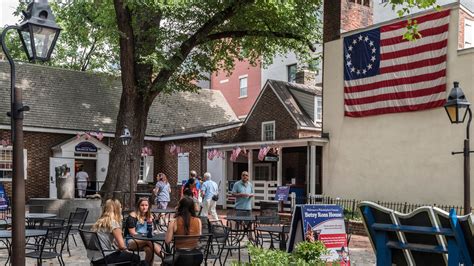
x=216, y=197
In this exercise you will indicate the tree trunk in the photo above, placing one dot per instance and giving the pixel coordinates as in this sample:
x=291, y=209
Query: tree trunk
x=124, y=161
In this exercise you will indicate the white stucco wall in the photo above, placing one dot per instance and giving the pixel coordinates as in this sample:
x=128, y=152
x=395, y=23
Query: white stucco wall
x=403, y=157
x=383, y=12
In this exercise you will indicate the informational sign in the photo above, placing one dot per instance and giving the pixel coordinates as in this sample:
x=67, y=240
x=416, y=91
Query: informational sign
x=3, y=198
x=324, y=223
x=183, y=167
x=271, y=158
x=85, y=146
x=281, y=193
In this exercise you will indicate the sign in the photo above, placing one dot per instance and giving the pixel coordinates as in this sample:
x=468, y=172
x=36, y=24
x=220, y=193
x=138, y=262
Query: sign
x=85, y=146
x=183, y=167
x=324, y=223
x=3, y=198
x=281, y=193
x=271, y=158
x=230, y=185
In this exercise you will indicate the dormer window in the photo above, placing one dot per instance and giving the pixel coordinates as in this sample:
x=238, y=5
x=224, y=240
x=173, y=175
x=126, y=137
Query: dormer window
x=268, y=130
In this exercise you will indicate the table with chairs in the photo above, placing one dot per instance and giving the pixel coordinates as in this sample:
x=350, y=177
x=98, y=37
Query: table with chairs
x=162, y=217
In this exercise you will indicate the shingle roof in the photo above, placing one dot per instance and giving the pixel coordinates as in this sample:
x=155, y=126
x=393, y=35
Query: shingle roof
x=66, y=99
x=283, y=91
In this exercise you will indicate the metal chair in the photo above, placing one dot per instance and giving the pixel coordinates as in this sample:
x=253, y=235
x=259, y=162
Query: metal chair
x=48, y=248
x=76, y=220
x=188, y=256
x=92, y=244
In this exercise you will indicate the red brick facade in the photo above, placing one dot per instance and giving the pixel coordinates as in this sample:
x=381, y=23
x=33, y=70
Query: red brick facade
x=463, y=15
x=356, y=14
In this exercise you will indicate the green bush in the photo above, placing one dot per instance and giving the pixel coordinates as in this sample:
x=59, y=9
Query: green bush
x=305, y=254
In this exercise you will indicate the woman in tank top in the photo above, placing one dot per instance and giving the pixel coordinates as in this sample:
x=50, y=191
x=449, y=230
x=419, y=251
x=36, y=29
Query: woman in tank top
x=185, y=222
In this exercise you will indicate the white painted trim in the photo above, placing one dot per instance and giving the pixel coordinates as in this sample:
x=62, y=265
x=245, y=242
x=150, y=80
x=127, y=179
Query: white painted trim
x=243, y=97
x=308, y=128
x=281, y=143
x=224, y=128
x=466, y=10
x=244, y=76
x=263, y=132
x=224, y=81
x=187, y=136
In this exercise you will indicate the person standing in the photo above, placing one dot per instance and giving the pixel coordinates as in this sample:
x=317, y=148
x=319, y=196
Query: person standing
x=210, y=190
x=243, y=193
x=162, y=191
x=82, y=179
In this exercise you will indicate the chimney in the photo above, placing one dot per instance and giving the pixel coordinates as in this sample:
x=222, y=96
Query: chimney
x=331, y=20
x=306, y=77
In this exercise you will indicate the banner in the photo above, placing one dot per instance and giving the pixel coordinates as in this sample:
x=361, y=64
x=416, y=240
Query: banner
x=326, y=224
x=281, y=193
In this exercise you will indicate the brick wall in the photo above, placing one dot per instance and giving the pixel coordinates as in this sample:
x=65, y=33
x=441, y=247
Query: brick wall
x=355, y=15
x=270, y=108
x=38, y=146
x=462, y=16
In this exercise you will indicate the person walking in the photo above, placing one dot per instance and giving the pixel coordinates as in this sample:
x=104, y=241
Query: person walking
x=210, y=192
x=82, y=179
x=162, y=191
x=243, y=193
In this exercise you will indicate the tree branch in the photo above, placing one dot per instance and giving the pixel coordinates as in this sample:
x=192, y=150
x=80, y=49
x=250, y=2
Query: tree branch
x=185, y=48
x=256, y=33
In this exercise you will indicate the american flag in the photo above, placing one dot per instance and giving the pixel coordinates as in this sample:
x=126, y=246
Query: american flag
x=383, y=73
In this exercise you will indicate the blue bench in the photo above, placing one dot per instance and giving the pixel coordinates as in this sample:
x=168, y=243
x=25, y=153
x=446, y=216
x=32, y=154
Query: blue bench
x=426, y=236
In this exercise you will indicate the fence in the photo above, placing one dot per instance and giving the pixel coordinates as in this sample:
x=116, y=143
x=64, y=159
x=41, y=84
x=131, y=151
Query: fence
x=350, y=205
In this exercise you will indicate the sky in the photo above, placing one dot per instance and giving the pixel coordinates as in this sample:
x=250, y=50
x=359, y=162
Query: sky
x=6, y=9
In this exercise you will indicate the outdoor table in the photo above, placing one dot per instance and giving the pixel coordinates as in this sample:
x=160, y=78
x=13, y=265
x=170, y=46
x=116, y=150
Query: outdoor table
x=7, y=234
x=246, y=221
x=155, y=238
x=167, y=217
x=34, y=215
x=276, y=229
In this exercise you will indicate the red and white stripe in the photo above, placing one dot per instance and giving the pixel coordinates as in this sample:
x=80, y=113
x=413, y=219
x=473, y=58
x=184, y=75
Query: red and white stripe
x=412, y=74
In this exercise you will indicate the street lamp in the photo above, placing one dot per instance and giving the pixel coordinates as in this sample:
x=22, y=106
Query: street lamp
x=38, y=34
x=457, y=107
x=126, y=138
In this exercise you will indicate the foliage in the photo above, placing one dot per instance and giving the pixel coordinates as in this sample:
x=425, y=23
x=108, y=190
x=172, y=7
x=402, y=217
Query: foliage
x=305, y=254
x=403, y=8
x=309, y=251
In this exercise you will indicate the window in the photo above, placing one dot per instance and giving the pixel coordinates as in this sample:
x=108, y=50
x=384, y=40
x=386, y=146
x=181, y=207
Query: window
x=6, y=163
x=291, y=73
x=318, y=117
x=243, y=87
x=268, y=130
x=263, y=172
x=468, y=33
x=6, y=167
x=146, y=170
x=362, y=2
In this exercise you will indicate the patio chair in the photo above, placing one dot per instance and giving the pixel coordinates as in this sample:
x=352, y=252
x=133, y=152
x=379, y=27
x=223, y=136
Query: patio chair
x=228, y=239
x=184, y=256
x=92, y=244
x=51, y=245
x=76, y=220
x=205, y=225
x=266, y=237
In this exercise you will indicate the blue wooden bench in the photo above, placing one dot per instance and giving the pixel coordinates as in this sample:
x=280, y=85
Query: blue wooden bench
x=426, y=236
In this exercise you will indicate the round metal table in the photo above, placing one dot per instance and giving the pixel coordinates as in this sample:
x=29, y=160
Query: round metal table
x=163, y=216
x=156, y=237
x=7, y=234
x=39, y=215
x=275, y=229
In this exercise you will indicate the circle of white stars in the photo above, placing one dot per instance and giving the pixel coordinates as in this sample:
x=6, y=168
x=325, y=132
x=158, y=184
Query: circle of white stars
x=361, y=39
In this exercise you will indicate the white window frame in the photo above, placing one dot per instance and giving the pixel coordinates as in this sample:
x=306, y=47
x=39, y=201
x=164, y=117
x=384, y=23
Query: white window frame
x=241, y=95
x=318, y=117
x=146, y=166
x=264, y=132
x=468, y=33
x=288, y=72
x=25, y=163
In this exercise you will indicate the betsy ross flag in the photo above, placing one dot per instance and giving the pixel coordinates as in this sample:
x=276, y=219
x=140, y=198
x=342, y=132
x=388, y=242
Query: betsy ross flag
x=383, y=73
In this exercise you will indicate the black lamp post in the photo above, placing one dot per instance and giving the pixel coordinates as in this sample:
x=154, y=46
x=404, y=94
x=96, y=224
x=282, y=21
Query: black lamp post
x=126, y=138
x=457, y=107
x=38, y=34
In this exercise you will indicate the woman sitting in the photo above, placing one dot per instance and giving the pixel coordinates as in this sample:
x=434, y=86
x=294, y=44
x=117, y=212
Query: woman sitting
x=186, y=222
x=109, y=231
x=136, y=223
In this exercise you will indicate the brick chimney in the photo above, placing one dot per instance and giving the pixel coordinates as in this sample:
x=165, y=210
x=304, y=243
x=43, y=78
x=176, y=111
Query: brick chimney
x=306, y=77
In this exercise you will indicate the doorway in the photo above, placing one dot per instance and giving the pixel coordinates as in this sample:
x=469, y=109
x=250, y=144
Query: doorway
x=88, y=166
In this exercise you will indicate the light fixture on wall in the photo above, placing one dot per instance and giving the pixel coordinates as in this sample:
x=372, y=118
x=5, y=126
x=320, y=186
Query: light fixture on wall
x=458, y=107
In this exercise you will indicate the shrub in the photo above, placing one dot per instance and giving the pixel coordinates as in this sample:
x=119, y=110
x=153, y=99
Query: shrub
x=310, y=252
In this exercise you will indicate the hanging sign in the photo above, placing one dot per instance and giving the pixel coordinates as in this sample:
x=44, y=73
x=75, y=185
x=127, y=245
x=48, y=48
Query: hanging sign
x=85, y=146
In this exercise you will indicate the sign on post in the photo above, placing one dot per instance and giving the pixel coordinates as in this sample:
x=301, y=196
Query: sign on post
x=324, y=223
x=281, y=193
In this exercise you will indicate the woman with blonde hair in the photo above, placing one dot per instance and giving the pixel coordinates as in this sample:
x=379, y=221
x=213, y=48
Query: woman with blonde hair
x=162, y=191
x=137, y=223
x=109, y=231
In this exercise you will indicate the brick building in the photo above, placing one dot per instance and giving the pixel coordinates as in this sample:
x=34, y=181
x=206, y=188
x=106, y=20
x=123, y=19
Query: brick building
x=72, y=121
x=284, y=122
x=242, y=87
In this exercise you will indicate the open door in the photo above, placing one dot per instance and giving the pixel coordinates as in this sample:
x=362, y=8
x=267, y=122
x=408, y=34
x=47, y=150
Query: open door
x=59, y=168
